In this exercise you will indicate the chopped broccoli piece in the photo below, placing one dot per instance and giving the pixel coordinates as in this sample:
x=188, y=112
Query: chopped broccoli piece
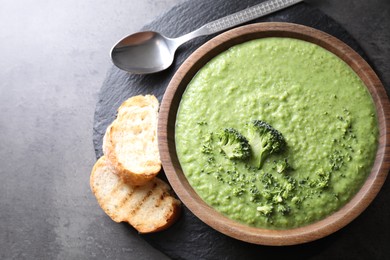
x=282, y=166
x=322, y=180
x=277, y=198
x=296, y=200
x=207, y=144
x=336, y=160
x=238, y=191
x=287, y=188
x=264, y=140
x=283, y=209
x=265, y=209
x=233, y=144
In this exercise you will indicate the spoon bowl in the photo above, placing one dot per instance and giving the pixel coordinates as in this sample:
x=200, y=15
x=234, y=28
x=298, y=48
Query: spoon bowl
x=144, y=52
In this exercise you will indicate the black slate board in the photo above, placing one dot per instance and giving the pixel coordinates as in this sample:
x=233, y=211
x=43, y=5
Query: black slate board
x=190, y=238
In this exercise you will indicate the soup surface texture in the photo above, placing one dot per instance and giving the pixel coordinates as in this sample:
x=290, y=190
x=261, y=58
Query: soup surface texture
x=310, y=96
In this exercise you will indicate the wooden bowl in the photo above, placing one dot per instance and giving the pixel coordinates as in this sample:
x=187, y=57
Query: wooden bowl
x=173, y=170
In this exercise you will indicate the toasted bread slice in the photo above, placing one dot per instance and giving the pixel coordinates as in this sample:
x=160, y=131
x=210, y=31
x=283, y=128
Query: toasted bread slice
x=148, y=208
x=130, y=142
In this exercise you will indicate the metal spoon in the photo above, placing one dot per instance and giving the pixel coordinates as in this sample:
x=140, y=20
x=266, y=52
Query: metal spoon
x=149, y=52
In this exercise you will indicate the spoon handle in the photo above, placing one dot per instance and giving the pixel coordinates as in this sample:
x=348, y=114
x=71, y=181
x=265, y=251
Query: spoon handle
x=240, y=17
x=248, y=14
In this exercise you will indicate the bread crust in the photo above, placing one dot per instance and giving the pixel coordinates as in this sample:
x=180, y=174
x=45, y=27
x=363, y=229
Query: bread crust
x=148, y=208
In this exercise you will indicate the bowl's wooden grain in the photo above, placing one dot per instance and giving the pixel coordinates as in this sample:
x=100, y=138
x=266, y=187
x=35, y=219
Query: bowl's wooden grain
x=172, y=168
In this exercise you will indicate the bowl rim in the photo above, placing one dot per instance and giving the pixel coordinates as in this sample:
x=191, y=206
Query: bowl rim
x=310, y=232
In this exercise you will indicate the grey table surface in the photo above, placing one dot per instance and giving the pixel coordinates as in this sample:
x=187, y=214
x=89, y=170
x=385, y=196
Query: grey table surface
x=54, y=58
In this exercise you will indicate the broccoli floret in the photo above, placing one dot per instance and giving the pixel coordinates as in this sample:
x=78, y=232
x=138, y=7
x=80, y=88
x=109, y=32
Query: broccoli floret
x=263, y=140
x=265, y=209
x=233, y=144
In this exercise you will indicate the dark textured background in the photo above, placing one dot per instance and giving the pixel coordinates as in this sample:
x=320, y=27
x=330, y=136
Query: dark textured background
x=54, y=59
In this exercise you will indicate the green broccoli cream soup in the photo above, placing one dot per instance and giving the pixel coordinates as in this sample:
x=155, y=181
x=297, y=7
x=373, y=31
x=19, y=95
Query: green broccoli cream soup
x=276, y=133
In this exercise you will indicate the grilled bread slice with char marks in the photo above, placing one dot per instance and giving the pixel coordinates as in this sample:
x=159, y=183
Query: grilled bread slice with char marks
x=148, y=208
x=130, y=142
